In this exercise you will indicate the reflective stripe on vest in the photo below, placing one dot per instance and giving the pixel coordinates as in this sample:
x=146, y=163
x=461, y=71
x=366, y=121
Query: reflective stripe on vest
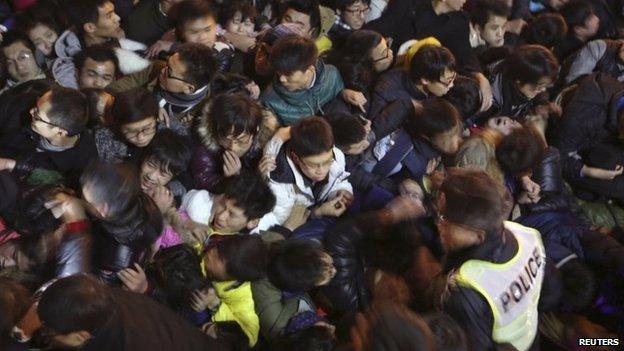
x=512, y=289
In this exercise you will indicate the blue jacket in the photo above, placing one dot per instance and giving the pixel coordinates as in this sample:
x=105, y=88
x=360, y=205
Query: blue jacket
x=289, y=106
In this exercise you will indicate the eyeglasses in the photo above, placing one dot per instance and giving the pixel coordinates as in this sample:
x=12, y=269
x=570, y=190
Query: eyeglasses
x=359, y=12
x=22, y=57
x=169, y=76
x=34, y=114
x=235, y=142
x=449, y=81
x=136, y=133
x=387, y=52
x=316, y=166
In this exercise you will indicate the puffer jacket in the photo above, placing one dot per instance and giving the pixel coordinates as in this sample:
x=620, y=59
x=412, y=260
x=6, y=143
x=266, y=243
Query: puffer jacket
x=392, y=86
x=207, y=158
x=126, y=240
x=290, y=106
x=589, y=118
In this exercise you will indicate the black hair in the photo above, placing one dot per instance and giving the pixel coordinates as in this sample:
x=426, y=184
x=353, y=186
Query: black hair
x=230, y=83
x=78, y=302
x=548, y=30
x=15, y=300
x=293, y=53
x=576, y=13
x=448, y=334
x=231, y=335
x=132, y=106
x=314, y=338
x=482, y=10
x=578, y=286
x=190, y=10
x=343, y=4
x=530, y=63
x=98, y=53
x=251, y=193
x=233, y=114
x=177, y=271
x=116, y=185
x=353, y=59
x=169, y=151
x=245, y=257
x=347, y=129
x=200, y=62
x=436, y=117
x=231, y=7
x=430, y=62
x=465, y=95
x=311, y=136
x=308, y=7
x=296, y=265
x=39, y=13
x=68, y=109
x=11, y=37
x=520, y=151
x=81, y=12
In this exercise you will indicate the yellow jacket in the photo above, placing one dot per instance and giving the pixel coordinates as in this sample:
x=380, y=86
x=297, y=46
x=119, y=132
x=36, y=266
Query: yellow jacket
x=237, y=305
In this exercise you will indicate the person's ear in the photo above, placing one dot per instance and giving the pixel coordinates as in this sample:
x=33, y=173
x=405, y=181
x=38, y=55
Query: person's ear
x=189, y=89
x=424, y=82
x=89, y=27
x=294, y=157
x=253, y=223
x=311, y=70
x=61, y=132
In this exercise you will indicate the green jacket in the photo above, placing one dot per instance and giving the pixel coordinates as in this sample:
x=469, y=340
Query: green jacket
x=289, y=106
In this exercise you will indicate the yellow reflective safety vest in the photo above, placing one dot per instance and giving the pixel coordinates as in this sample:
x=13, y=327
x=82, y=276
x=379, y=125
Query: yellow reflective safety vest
x=512, y=289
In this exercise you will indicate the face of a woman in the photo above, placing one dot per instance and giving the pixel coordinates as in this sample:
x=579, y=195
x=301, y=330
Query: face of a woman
x=382, y=56
x=504, y=125
x=531, y=90
x=44, y=38
x=239, y=26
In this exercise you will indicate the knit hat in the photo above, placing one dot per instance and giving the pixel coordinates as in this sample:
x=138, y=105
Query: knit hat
x=411, y=47
x=473, y=199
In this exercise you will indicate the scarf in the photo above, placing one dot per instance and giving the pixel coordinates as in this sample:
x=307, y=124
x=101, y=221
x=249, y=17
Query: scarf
x=176, y=103
x=45, y=145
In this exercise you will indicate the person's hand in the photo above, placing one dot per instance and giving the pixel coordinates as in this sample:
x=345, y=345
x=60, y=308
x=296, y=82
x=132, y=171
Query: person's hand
x=432, y=165
x=486, y=92
x=525, y=198
x=231, y=164
x=283, y=133
x=7, y=164
x=163, y=116
x=204, y=299
x=367, y=126
x=412, y=189
x=354, y=98
x=533, y=189
x=253, y=89
x=162, y=198
x=157, y=48
x=267, y=165
x=603, y=174
x=198, y=231
x=69, y=208
x=298, y=216
x=403, y=207
x=515, y=26
x=133, y=279
x=334, y=207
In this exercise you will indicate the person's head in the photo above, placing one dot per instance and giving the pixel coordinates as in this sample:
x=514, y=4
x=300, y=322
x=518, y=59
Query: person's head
x=109, y=189
x=364, y=53
x=135, y=113
x=311, y=147
x=489, y=18
x=97, y=67
x=578, y=286
x=229, y=334
x=18, y=54
x=299, y=265
x=470, y=207
x=350, y=134
x=548, y=30
x=264, y=47
x=94, y=18
x=195, y=22
x=520, y=151
x=15, y=300
x=233, y=121
x=449, y=336
x=315, y=338
x=581, y=19
x=246, y=199
x=502, y=124
x=73, y=309
x=238, y=257
x=465, y=95
x=59, y=113
x=433, y=68
x=353, y=12
x=166, y=157
x=238, y=17
x=177, y=270
x=532, y=68
x=305, y=14
x=191, y=67
x=294, y=61
x=392, y=327
x=439, y=123
x=41, y=29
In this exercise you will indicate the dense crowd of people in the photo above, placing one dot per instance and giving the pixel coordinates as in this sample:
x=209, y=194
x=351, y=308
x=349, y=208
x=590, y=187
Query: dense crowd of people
x=311, y=174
